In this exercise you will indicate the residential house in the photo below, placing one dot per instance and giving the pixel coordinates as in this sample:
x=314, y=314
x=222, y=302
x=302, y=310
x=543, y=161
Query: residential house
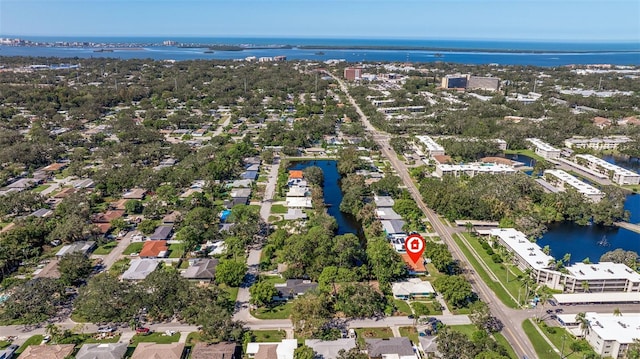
x=387, y=213
x=428, y=345
x=417, y=268
x=412, y=288
x=282, y=350
x=162, y=233
x=296, y=174
x=42, y=213
x=66, y=192
x=154, y=249
x=201, y=270
x=44, y=351
x=294, y=214
x=293, y=288
x=383, y=201
x=240, y=183
x=392, y=348
x=135, y=193
x=171, y=218
x=84, y=247
x=102, y=351
x=55, y=167
x=250, y=175
x=158, y=351
x=214, y=351
x=119, y=204
x=393, y=227
x=298, y=202
x=330, y=349
x=140, y=268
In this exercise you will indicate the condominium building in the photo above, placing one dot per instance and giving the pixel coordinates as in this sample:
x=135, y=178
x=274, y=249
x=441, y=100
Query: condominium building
x=580, y=277
x=544, y=149
x=617, y=174
x=561, y=179
x=431, y=146
x=472, y=169
x=459, y=81
x=502, y=144
x=596, y=143
x=610, y=335
x=353, y=73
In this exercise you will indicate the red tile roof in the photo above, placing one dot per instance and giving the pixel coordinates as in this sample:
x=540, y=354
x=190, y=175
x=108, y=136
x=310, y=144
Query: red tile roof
x=153, y=248
x=415, y=267
x=296, y=174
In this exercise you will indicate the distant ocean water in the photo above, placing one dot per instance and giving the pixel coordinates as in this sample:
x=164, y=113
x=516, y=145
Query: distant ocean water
x=464, y=51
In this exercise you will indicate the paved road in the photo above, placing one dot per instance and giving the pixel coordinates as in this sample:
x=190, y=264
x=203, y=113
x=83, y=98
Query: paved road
x=116, y=253
x=513, y=330
x=220, y=128
x=253, y=261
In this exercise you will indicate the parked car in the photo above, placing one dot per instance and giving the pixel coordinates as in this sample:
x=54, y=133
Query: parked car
x=143, y=330
x=107, y=329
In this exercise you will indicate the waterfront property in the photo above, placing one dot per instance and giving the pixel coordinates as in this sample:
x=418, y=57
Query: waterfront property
x=472, y=169
x=579, y=277
x=544, y=149
x=608, y=334
x=617, y=174
x=561, y=179
x=596, y=143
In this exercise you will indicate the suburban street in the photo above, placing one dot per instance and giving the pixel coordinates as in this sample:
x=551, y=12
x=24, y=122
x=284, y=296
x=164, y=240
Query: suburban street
x=513, y=330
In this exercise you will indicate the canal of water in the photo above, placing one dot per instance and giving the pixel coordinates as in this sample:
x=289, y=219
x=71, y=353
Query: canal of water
x=332, y=194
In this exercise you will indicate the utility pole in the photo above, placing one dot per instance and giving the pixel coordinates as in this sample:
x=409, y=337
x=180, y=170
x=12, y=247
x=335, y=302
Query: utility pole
x=562, y=348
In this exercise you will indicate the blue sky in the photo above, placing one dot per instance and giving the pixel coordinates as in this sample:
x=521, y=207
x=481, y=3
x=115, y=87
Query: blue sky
x=577, y=20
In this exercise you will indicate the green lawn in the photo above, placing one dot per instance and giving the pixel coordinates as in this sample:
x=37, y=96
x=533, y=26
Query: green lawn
x=495, y=286
x=278, y=208
x=41, y=188
x=505, y=343
x=410, y=332
x=539, y=344
x=233, y=291
x=433, y=272
x=402, y=307
x=279, y=311
x=4, y=344
x=176, y=250
x=466, y=329
x=34, y=340
x=366, y=333
x=135, y=247
x=160, y=338
x=265, y=336
x=529, y=153
x=106, y=248
x=120, y=266
x=425, y=308
x=555, y=334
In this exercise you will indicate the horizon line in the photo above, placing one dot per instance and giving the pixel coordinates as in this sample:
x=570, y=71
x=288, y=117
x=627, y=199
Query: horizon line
x=332, y=37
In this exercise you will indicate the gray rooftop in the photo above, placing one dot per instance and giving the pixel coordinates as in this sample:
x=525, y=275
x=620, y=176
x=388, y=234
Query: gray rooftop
x=162, y=232
x=140, y=269
x=393, y=226
x=378, y=347
x=102, y=351
x=81, y=246
x=384, y=201
x=329, y=349
x=201, y=268
x=295, y=287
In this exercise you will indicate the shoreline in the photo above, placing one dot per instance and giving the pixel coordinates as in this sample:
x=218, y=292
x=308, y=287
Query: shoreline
x=451, y=49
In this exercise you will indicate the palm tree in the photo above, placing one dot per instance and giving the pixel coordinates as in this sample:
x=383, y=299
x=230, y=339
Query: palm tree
x=546, y=249
x=566, y=259
x=617, y=312
x=585, y=286
x=581, y=318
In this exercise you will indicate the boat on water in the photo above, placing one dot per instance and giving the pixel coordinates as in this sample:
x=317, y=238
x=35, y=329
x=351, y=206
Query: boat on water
x=438, y=55
x=208, y=52
x=319, y=53
x=604, y=242
x=103, y=50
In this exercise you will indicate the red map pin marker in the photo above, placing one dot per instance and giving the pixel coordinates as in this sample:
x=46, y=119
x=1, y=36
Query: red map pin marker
x=414, y=245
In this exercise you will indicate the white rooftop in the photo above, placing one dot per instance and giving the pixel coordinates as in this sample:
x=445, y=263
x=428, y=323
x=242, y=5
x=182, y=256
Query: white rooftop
x=529, y=251
x=411, y=286
x=478, y=167
x=607, y=165
x=430, y=143
x=622, y=328
x=599, y=297
x=542, y=145
x=572, y=181
x=298, y=202
x=603, y=270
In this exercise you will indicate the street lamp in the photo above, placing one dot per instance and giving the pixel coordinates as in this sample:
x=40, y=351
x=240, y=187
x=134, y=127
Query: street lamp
x=562, y=348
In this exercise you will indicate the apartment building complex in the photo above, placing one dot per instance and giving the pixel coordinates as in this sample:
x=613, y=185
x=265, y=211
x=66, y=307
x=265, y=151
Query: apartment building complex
x=561, y=179
x=432, y=147
x=617, y=174
x=596, y=143
x=544, y=149
x=580, y=277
